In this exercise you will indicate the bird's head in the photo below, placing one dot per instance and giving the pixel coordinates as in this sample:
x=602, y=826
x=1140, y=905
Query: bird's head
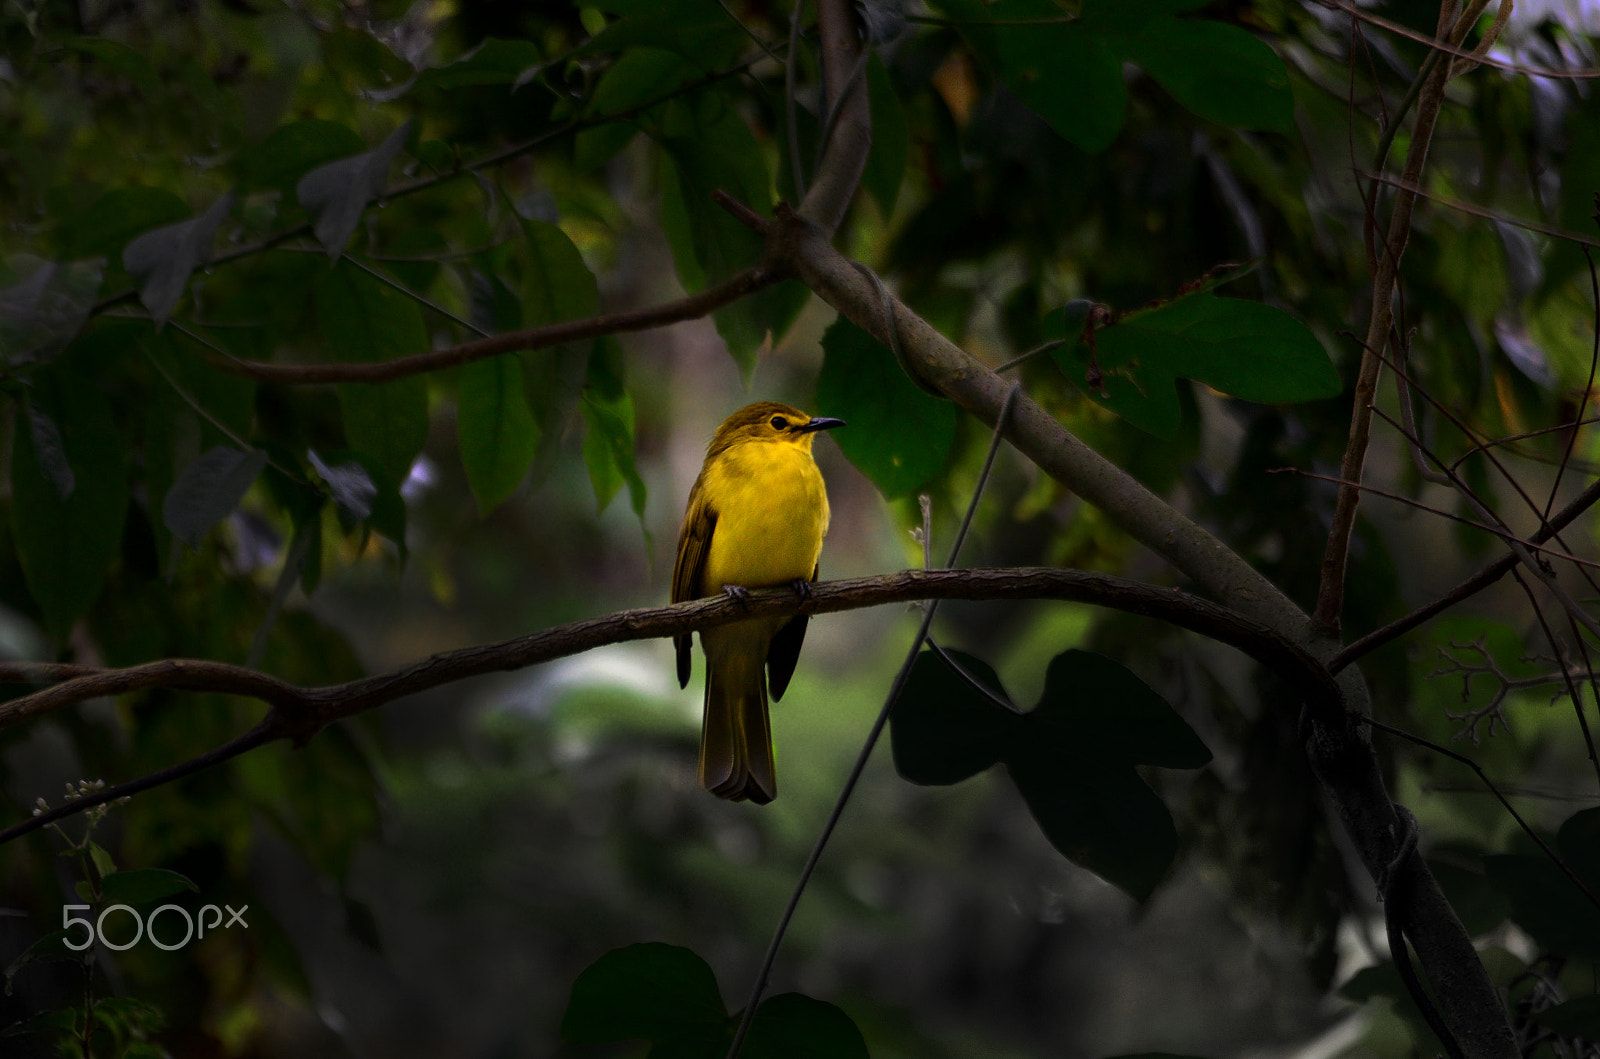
x=769, y=421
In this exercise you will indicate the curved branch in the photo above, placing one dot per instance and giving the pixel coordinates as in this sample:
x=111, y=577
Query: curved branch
x=1038, y=435
x=691, y=307
x=844, y=155
x=299, y=712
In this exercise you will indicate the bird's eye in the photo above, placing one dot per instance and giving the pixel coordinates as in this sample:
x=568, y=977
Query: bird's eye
x=779, y=423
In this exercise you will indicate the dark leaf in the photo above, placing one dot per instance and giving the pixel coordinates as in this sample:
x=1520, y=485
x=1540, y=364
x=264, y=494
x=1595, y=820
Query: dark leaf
x=292, y=151
x=208, y=490
x=121, y=214
x=49, y=947
x=1060, y=68
x=1093, y=701
x=363, y=319
x=1218, y=71
x=40, y=316
x=350, y=486
x=891, y=142
x=795, y=1026
x=497, y=434
x=51, y=452
x=652, y=992
x=337, y=193
x=942, y=729
x=1579, y=1017
x=493, y=62
x=140, y=886
x=66, y=546
x=1547, y=904
x=608, y=449
x=1096, y=813
x=161, y=260
x=899, y=436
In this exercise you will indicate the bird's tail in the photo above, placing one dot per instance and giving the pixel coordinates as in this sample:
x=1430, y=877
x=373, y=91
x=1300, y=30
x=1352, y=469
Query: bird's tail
x=736, y=736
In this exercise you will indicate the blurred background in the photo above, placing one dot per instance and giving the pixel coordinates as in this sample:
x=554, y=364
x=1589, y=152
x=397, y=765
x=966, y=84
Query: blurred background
x=429, y=879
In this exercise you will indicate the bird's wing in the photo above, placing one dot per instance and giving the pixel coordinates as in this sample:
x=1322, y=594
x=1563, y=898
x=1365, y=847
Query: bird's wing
x=785, y=650
x=694, y=544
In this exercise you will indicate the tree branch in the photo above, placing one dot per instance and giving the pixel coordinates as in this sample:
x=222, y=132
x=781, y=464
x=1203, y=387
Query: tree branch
x=691, y=307
x=1036, y=434
x=1330, y=592
x=298, y=712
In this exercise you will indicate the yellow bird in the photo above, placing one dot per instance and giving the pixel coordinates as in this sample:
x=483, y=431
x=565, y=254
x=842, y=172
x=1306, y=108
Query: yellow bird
x=756, y=518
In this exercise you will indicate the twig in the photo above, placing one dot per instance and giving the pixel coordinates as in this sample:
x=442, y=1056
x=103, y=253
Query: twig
x=1466, y=589
x=1581, y=74
x=1330, y=591
x=689, y=308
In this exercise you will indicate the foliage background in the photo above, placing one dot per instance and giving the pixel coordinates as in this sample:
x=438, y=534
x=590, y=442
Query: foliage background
x=430, y=879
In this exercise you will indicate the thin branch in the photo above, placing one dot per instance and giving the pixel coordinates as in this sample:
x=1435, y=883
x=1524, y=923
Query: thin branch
x=1466, y=589
x=1499, y=531
x=1580, y=74
x=691, y=307
x=1330, y=591
x=1459, y=206
x=298, y=712
x=1501, y=798
x=488, y=161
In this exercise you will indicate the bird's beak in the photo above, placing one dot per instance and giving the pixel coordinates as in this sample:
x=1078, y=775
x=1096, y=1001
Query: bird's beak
x=818, y=423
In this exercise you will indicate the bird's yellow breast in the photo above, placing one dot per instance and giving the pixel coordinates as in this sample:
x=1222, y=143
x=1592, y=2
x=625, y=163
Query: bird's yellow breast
x=772, y=512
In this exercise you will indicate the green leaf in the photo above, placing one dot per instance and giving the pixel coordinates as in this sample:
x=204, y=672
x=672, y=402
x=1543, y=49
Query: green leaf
x=711, y=147
x=1099, y=703
x=336, y=193
x=127, y=61
x=1072, y=757
x=351, y=487
x=1064, y=71
x=943, y=730
x=1579, y=1017
x=899, y=436
x=795, y=1026
x=1218, y=71
x=1546, y=904
x=40, y=316
x=141, y=886
x=106, y=226
x=493, y=62
x=1249, y=350
x=698, y=30
x=1074, y=764
x=654, y=992
x=1098, y=815
x=362, y=319
x=556, y=284
x=66, y=546
x=639, y=76
x=594, y=147
x=49, y=947
x=496, y=430
x=608, y=449
x=50, y=451
x=161, y=260
x=208, y=490
x=292, y=151
x=891, y=141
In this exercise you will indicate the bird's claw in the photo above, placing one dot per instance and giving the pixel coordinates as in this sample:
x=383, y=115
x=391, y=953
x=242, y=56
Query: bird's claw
x=802, y=587
x=738, y=592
